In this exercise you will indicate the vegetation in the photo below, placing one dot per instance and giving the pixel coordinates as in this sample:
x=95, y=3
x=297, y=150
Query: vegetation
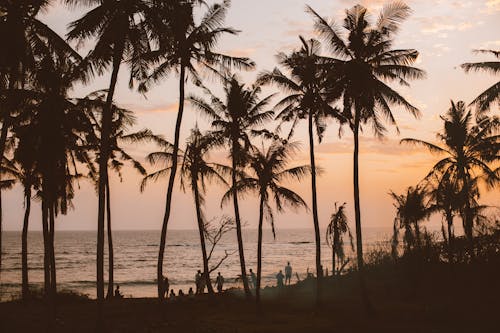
x=50, y=140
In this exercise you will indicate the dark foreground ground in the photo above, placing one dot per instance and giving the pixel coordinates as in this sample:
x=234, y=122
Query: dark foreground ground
x=406, y=298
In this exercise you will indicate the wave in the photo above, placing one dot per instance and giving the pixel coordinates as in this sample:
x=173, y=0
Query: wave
x=299, y=243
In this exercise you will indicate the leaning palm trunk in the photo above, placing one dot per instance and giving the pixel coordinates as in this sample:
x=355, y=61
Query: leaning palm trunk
x=110, y=244
x=46, y=252
x=24, y=246
x=201, y=228
x=357, y=211
x=103, y=169
x=238, y=229
x=449, y=222
x=171, y=180
x=319, y=271
x=259, y=254
x=334, y=248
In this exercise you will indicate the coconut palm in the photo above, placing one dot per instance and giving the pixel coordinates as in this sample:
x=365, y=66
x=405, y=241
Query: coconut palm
x=270, y=169
x=335, y=232
x=492, y=94
x=25, y=36
x=184, y=46
x=411, y=209
x=122, y=121
x=469, y=152
x=307, y=90
x=363, y=61
x=120, y=37
x=234, y=120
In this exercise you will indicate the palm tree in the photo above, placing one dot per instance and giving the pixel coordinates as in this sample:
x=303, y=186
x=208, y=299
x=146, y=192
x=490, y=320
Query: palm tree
x=195, y=170
x=184, y=46
x=22, y=169
x=492, y=94
x=24, y=34
x=122, y=120
x=270, y=169
x=470, y=153
x=308, y=98
x=363, y=60
x=121, y=37
x=412, y=208
x=234, y=121
x=335, y=232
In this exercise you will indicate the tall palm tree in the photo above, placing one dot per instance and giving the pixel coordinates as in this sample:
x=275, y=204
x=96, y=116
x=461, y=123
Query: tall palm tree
x=492, y=94
x=195, y=171
x=411, y=209
x=234, y=120
x=120, y=37
x=270, y=169
x=470, y=152
x=21, y=30
x=308, y=96
x=184, y=46
x=363, y=60
x=335, y=232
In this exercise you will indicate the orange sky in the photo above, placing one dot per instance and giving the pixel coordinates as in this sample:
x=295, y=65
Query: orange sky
x=444, y=31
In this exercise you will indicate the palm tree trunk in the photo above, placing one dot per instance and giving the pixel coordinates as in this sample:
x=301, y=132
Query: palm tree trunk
x=417, y=235
x=53, y=280
x=170, y=188
x=46, y=251
x=238, y=226
x=24, y=246
x=201, y=229
x=357, y=211
x=334, y=248
x=259, y=254
x=319, y=271
x=103, y=169
x=449, y=222
x=110, y=243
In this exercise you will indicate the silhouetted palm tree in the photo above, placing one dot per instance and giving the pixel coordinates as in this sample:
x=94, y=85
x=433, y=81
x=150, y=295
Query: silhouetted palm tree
x=470, y=153
x=120, y=37
x=492, y=94
x=335, y=232
x=234, y=120
x=364, y=59
x=195, y=171
x=411, y=209
x=270, y=169
x=308, y=88
x=25, y=36
x=122, y=120
x=184, y=46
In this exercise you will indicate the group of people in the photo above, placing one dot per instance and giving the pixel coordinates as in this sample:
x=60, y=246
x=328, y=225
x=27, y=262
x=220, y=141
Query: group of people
x=200, y=283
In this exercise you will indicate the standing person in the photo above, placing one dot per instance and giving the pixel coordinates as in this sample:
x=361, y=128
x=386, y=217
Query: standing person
x=253, y=279
x=279, y=278
x=166, y=287
x=219, y=282
x=197, y=281
x=288, y=273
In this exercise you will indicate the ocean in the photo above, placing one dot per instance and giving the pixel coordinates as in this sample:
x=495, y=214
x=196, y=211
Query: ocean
x=136, y=258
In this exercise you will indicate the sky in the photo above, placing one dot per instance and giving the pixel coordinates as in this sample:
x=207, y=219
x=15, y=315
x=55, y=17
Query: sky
x=444, y=32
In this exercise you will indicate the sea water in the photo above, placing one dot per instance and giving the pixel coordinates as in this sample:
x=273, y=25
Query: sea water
x=136, y=255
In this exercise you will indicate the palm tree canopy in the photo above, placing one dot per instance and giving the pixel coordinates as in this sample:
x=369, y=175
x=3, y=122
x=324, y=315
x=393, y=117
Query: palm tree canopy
x=181, y=41
x=236, y=118
x=364, y=61
x=270, y=171
x=307, y=87
x=492, y=94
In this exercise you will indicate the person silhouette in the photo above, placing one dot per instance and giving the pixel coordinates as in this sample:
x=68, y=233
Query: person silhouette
x=197, y=281
x=253, y=279
x=172, y=295
x=279, y=279
x=118, y=294
x=288, y=273
x=166, y=287
x=219, y=282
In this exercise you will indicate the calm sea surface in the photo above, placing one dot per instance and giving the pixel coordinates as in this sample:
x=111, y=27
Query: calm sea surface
x=136, y=257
